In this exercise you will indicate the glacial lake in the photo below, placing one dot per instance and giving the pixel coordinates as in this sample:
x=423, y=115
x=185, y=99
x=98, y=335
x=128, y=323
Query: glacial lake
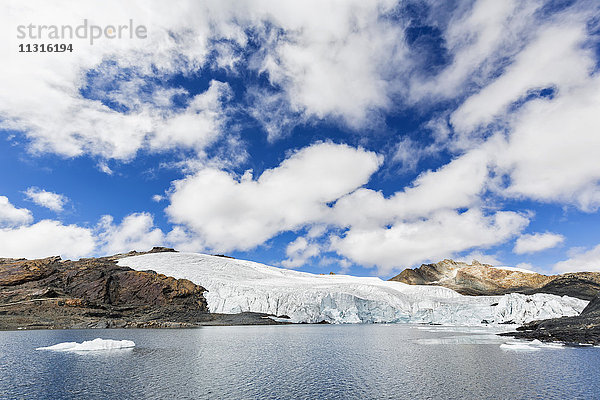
x=296, y=362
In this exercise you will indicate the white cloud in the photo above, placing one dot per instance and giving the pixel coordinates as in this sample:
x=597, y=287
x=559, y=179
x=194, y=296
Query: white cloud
x=548, y=152
x=580, y=260
x=135, y=232
x=273, y=112
x=343, y=264
x=299, y=252
x=198, y=126
x=20, y=238
x=182, y=239
x=227, y=212
x=50, y=109
x=551, y=152
x=554, y=58
x=43, y=198
x=330, y=59
x=227, y=57
x=443, y=234
x=103, y=167
x=345, y=61
x=336, y=58
x=46, y=238
x=477, y=39
x=537, y=242
x=457, y=184
x=408, y=153
x=12, y=216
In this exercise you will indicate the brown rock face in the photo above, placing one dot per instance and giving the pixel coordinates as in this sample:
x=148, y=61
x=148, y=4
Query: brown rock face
x=472, y=279
x=58, y=293
x=102, y=281
x=483, y=279
x=14, y=272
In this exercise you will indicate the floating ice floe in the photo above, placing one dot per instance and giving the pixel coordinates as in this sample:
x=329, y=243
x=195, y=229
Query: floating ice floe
x=236, y=286
x=91, y=345
x=534, y=345
x=461, y=339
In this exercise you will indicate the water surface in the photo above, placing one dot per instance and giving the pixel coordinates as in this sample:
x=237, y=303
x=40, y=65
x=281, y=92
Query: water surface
x=300, y=362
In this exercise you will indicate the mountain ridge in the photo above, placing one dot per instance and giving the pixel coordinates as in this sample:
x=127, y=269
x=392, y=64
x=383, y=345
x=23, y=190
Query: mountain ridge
x=479, y=279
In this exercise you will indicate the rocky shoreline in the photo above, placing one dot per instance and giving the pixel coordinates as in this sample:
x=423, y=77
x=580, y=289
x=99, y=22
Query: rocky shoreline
x=52, y=293
x=582, y=329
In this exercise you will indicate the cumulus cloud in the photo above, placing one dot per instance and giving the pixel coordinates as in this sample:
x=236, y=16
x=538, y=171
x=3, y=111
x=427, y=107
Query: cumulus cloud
x=553, y=58
x=326, y=59
x=43, y=198
x=229, y=212
x=477, y=39
x=299, y=252
x=457, y=184
x=550, y=152
x=422, y=222
x=532, y=243
x=550, y=139
x=440, y=236
x=525, y=125
x=335, y=60
x=104, y=99
x=20, y=237
x=580, y=259
x=12, y=216
x=135, y=232
x=198, y=125
x=46, y=238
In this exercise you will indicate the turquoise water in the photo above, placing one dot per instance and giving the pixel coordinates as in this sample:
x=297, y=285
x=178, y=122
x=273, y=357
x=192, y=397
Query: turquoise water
x=294, y=362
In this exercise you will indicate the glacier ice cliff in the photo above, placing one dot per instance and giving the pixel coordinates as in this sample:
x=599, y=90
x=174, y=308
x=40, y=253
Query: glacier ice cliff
x=236, y=285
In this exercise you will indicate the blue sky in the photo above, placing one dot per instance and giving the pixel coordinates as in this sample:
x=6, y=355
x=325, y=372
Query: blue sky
x=324, y=136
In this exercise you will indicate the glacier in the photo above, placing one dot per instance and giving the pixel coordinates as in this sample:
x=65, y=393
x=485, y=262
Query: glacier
x=237, y=285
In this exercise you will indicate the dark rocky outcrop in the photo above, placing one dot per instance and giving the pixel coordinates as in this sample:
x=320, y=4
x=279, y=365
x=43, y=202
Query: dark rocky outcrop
x=583, y=285
x=478, y=279
x=98, y=293
x=584, y=328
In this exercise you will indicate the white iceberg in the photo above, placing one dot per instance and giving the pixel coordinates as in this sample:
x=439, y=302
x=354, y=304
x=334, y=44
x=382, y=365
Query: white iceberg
x=91, y=345
x=235, y=286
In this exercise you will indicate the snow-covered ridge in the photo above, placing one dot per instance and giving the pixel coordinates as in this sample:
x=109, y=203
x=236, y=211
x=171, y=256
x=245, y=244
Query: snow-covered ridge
x=526, y=271
x=235, y=286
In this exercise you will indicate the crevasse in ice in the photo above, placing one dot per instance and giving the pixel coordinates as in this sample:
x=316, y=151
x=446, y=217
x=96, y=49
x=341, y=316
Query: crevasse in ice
x=236, y=285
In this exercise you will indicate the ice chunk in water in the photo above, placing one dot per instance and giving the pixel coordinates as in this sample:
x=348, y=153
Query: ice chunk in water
x=91, y=345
